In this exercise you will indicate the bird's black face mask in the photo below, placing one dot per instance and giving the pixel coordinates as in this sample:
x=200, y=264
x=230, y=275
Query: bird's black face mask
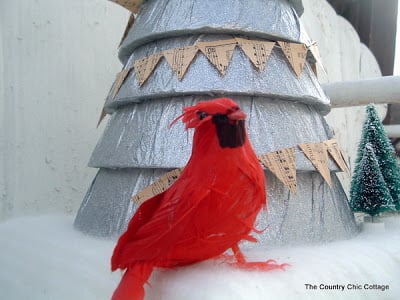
x=230, y=134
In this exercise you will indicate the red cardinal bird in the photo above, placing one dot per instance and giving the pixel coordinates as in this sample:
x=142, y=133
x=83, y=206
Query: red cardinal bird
x=210, y=208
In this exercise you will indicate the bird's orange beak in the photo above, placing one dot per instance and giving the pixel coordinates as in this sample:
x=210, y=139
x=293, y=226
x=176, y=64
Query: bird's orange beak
x=237, y=115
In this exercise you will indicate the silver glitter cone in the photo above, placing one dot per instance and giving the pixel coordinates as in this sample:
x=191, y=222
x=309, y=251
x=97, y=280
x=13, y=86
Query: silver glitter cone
x=283, y=110
x=203, y=78
x=161, y=19
x=316, y=213
x=272, y=124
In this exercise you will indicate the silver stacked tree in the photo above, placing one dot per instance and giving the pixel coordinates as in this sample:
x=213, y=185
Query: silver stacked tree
x=284, y=109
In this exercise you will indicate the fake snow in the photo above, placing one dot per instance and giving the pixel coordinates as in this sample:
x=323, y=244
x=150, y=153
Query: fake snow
x=45, y=258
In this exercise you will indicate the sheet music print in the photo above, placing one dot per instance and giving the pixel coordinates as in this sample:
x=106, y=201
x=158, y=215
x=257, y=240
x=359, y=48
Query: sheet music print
x=257, y=51
x=158, y=186
x=296, y=55
x=318, y=155
x=282, y=164
x=337, y=155
x=140, y=69
x=219, y=54
x=145, y=66
x=179, y=59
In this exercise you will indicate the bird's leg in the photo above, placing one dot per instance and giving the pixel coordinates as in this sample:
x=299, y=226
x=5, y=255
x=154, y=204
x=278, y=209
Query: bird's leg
x=238, y=254
x=262, y=265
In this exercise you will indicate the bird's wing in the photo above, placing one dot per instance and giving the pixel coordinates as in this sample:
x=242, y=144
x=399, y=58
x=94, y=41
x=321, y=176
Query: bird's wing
x=142, y=215
x=159, y=223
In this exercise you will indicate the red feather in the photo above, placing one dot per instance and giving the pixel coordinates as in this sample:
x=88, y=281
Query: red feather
x=210, y=208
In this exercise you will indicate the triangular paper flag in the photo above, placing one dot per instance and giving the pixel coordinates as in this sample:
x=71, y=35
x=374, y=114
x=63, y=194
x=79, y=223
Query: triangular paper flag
x=132, y=5
x=121, y=76
x=283, y=165
x=127, y=28
x=315, y=53
x=102, y=116
x=318, y=155
x=158, y=186
x=219, y=53
x=180, y=58
x=257, y=51
x=296, y=55
x=312, y=47
x=145, y=66
x=337, y=155
x=112, y=92
x=314, y=69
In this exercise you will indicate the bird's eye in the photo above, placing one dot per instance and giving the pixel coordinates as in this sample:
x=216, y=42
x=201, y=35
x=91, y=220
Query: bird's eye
x=202, y=115
x=232, y=109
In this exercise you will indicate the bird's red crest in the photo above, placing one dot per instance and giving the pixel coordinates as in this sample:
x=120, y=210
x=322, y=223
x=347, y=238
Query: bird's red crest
x=203, y=111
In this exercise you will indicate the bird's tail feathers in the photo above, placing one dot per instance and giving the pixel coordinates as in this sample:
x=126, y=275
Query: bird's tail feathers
x=131, y=286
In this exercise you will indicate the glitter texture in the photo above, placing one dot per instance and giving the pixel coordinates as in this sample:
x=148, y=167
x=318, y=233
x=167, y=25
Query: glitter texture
x=160, y=19
x=139, y=136
x=203, y=78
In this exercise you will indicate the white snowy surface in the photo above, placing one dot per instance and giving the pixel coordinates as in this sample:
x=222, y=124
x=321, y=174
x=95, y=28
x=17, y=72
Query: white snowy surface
x=45, y=258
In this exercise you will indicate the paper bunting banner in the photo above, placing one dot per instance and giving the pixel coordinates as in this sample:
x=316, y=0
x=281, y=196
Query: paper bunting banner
x=179, y=59
x=318, y=155
x=312, y=47
x=219, y=53
x=121, y=76
x=282, y=164
x=337, y=155
x=132, y=5
x=315, y=53
x=145, y=66
x=257, y=51
x=296, y=55
x=158, y=186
